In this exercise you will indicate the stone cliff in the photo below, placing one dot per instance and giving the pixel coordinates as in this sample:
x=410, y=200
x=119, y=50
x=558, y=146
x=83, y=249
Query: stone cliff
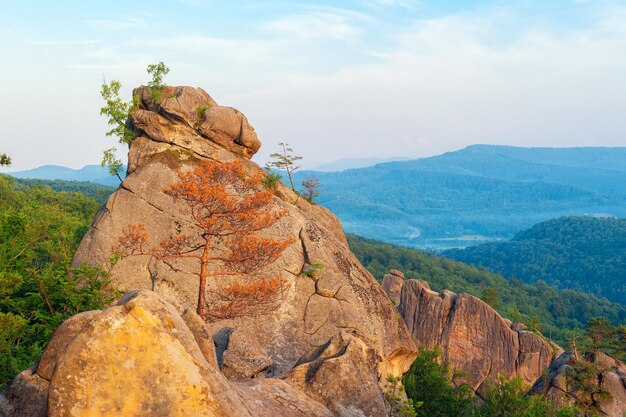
x=335, y=318
x=473, y=337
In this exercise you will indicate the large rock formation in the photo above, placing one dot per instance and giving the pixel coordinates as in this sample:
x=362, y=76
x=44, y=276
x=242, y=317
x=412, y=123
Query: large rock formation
x=185, y=128
x=140, y=358
x=596, y=382
x=473, y=337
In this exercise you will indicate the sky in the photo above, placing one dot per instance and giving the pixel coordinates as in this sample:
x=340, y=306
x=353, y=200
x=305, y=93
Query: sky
x=335, y=79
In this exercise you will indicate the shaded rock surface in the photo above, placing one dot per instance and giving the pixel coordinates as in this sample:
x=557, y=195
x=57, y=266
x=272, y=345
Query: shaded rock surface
x=185, y=128
x=392, y=284
x=139, y=358
x=473, y=337
x=341, y=374
x=27, y=396
x=560, y=387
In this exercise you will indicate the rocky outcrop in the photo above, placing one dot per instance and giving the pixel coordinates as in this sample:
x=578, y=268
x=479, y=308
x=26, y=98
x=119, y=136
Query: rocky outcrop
x=139, y=358
x=595, y=382
x=27, y=396
x=341, y=374
x=392, y=284
x=185, y=128
x=473, y=337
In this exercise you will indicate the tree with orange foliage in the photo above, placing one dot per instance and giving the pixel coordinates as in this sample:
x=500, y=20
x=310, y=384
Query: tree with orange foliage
x=228, y=208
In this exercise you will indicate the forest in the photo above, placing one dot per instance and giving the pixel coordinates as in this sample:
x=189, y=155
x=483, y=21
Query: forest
x=39, y=232
x=577, y=252
x=482, y=192
x=552, y=311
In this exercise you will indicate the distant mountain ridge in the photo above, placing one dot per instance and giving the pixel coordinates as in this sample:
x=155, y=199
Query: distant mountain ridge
x=352, y=163
x=91, y=173
x=580, y=253
x=479, y=193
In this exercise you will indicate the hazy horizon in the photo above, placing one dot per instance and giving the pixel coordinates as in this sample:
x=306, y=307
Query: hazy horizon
x=353, y=79
x=305, y=165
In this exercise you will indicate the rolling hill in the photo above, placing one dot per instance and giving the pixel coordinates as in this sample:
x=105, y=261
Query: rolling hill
x=477, y=194
x=90, y=173
x=580, y=253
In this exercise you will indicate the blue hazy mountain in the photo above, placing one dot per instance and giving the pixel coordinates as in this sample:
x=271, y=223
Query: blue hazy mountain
x=352, y=163
x=91, y=173
x=479, y=193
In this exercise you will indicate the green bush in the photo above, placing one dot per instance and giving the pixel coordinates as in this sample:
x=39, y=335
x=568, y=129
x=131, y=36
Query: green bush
x=272, y=180
x=39, y=232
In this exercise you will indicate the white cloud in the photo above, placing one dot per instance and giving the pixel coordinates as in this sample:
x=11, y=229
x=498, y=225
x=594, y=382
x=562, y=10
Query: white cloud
x=337, y=83
x=330, y=23
x=118, y=24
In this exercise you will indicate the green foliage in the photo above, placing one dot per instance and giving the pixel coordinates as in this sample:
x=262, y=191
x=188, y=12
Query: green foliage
x=156, y=84
x=508, y=398
x=557, y=311
x=600, y=332
x=311, y=188
x=113, y=164
x=431, y=384
x=310, y=270
x=491, y=296
x=583, y=383
x=5, y=160
x=397, y=403
x=39, y=232
x=201, y=112
x=117, y=111
x=98, y=192
x=284, y=160
x=581, y=253
x=272, y=180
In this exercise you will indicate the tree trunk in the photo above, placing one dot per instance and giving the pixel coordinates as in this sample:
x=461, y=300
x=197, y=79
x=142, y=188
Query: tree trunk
x=203, y=274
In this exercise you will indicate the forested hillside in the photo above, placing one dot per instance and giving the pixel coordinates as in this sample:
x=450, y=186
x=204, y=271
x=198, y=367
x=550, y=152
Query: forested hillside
x=92, y=173
x=539, y=305
x=581, y=253
x=98, y=192
x=475, y=194
x=39, y=232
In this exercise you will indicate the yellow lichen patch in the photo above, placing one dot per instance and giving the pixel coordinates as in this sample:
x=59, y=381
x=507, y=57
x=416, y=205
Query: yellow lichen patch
x=135, y=368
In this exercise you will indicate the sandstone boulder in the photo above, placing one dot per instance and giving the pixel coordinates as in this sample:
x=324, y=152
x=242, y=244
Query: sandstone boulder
x=392, y=284
x=139, y=358
x=342, y=294
x=473, y=337
x=604, y=394
x=342, y=374
x=27, y=396
x=194, y=113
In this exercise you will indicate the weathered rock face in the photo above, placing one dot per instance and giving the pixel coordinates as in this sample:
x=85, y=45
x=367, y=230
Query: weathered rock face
x=27, y=396
x=604, y=393
x=341, y=374
x=392, y=284
x=179, y=132
x=473, y=337
x=139, y=358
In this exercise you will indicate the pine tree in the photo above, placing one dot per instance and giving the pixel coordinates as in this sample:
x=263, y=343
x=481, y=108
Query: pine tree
x=285, y=160
x=5, y=160
x=228, y=209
